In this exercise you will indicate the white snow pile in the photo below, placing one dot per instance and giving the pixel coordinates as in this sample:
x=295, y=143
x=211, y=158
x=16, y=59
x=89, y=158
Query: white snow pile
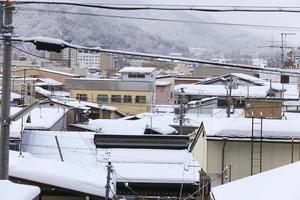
x=13, y=191
x=277, y=184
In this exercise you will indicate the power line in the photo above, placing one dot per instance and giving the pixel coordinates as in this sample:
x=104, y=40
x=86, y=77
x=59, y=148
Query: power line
x=258, y=26
x=207, y=184
x=64, y=44
x=61, y=44
x=254, y=9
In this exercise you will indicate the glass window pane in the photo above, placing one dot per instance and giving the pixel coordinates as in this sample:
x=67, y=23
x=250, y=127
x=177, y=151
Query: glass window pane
x=102, y=98
x=140, y=99
x=127, y=99
x=116, y=98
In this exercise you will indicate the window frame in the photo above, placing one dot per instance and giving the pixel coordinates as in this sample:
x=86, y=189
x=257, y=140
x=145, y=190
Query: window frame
x=139, y=99
x=82, y=97
x=127, y=99
x=102, y=98
x=116, y=97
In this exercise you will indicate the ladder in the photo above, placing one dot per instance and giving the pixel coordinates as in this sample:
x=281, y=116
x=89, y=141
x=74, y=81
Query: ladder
x=256, y=145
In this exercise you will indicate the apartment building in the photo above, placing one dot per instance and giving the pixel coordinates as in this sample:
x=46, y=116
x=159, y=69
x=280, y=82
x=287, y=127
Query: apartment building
x=133, y=93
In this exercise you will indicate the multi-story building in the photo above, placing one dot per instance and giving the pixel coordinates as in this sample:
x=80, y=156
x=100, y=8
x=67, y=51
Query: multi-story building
x=66, y=58
x=133, y=93
x=88, y=59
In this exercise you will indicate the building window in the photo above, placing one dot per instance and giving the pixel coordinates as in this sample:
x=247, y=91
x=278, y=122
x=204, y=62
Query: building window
x=116, y=98
x=82, y=97
x=284, y=79
x=127, y=99
x=102, y=98
x=136, y=75
x=140, y=99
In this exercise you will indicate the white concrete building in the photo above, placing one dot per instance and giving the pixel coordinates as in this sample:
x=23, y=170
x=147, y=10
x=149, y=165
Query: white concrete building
x=88, y=59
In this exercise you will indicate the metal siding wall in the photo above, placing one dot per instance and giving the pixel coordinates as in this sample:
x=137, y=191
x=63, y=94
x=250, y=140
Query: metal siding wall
x=238, y=155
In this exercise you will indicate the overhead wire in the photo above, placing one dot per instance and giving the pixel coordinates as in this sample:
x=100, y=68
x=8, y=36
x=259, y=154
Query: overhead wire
x=35, y=55
x=254, y=9
x=259, y=26
x=262, y=70
x=207, y=184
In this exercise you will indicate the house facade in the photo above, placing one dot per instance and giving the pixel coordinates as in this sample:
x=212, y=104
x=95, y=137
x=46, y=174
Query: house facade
x=134, y=93
x=244, y=150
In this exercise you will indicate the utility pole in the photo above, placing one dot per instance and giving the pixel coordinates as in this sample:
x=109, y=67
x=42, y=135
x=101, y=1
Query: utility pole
x=107, y=187
x=230, y=84
x=181, y=111
x=6, y=87
x=283, y=36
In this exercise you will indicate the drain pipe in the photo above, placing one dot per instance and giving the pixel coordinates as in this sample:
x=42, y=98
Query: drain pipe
x=223, y=159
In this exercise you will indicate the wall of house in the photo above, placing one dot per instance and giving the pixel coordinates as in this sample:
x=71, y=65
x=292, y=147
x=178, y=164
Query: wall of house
x=148, y=77
x=163, y=94
x=238, y=155
x=209, y=71
x=200, y=152
x=61, y=124
x=127, y=108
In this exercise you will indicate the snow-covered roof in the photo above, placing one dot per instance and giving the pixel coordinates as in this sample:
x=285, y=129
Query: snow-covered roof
x=241, y=127
x=105, y=107
x=55, y=173
x=74, y=103
x=137, y=70
x=58, y=72
x=48, y=93
x=48, y=82
x=153, y=165
x=127, y=127
x=16, y=127
x=248, y=77
x=162, y=83
x=52, y=71
x=164, y=108
x=242, y=76
x=220, y=90
x=276, y=184
x=13, y=96
x=14, y=191
x=43, y=118
x=130, y=165
x=291, y=91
